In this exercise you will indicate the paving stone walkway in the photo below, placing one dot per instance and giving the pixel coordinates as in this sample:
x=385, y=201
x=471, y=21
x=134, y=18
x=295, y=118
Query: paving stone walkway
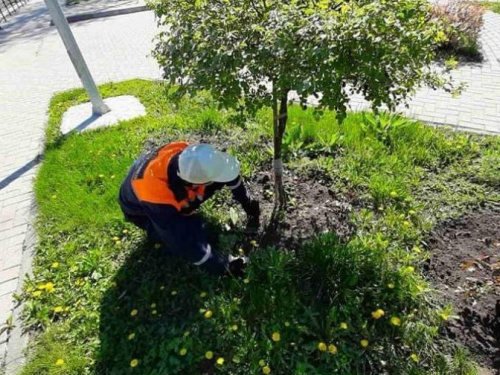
x=477, y=109
x=34, y=65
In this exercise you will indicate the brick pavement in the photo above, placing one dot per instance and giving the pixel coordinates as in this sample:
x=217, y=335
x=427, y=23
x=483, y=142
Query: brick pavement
x=34, y=65
x=477, y=109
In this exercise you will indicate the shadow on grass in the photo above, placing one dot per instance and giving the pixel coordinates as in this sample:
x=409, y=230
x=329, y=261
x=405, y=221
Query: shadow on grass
x=148, y=313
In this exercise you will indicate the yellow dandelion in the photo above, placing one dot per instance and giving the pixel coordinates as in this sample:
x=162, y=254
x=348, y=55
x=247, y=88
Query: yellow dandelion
x=246, y=281
x=409, y=269
x=54, y=196
x=118, y=243
x=332, y=349
x=60, y=362
x=134, y=312
x=344, y=325
x=414, y=357
x=395, y=321
x=234, y=327
x=134, y=363
x=390, y=285
x=364, y=343
x=241, y=251
x=322, y=347
x=131, y=336
x=125, y=231
x=55, y=265
x=37, y=293
x=66, y=309
x=266, y=370
x=209, y=354
x=262, y=363
x=394, y=194
x=49, y=287
x=183, y=351
x=377, y=314
x=276, y=336
x=417, y=249
x=174, y=292
x=112, y=176
x=58, y=309
x=406, y=223
x=101, y=176
x=203, y=294
x=115, y=238
x=154, y=312
x=253, y=243
x=208, y=314
x=220, y=361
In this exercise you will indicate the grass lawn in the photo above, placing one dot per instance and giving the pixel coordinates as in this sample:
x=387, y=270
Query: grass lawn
x=103, y=300
x=494, y=7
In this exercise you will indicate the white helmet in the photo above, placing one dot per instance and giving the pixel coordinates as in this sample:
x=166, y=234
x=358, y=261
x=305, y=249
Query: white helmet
x=201, y=163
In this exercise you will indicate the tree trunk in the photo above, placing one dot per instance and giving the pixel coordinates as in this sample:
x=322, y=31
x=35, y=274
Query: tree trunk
x=279, y=126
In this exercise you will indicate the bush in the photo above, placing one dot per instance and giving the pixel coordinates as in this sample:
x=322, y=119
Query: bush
x=462, y=23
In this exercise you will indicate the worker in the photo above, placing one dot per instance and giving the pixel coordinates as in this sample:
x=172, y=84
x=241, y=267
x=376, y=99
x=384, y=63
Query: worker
x=164, y=189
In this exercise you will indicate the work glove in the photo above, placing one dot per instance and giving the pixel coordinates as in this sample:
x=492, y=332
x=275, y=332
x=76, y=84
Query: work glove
x=237, y=266
x=253, y=216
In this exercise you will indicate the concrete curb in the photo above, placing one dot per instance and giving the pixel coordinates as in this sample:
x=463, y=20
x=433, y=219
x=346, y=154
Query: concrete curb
x=18, y=339
x=106, y=13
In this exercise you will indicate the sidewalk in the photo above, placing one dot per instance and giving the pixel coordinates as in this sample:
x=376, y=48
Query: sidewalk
x=477, y=109
x=33, y=66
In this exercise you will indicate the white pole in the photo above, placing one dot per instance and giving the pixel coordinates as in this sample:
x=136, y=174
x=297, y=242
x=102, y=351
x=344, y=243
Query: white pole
x=98, y=105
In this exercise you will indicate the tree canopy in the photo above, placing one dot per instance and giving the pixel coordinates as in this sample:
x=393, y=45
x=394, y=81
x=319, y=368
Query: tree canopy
x=241, y=50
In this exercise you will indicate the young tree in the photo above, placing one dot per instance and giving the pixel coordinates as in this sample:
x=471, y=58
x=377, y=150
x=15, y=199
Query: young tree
x=254, y=52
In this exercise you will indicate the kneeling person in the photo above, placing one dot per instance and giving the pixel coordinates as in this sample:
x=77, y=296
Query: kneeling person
x=162, y=192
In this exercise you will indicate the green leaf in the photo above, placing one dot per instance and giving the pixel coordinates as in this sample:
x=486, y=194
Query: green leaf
x=233, y=215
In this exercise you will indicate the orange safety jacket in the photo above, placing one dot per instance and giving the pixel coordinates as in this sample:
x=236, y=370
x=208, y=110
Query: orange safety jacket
x=150, y=183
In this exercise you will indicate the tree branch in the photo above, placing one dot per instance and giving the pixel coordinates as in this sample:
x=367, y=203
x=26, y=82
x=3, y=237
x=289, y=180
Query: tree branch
x=252, y=3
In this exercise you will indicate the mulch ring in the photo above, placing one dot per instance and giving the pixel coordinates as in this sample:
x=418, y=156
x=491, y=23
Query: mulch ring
x=465, y=268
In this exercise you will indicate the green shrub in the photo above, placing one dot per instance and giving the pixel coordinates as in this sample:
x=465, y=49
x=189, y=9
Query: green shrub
x=462, y=21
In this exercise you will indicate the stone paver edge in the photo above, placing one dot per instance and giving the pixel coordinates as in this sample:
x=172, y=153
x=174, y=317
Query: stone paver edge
x=18, y=339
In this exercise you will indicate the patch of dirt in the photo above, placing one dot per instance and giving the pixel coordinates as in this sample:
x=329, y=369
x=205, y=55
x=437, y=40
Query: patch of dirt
x=311, y=209
x=465, y=267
